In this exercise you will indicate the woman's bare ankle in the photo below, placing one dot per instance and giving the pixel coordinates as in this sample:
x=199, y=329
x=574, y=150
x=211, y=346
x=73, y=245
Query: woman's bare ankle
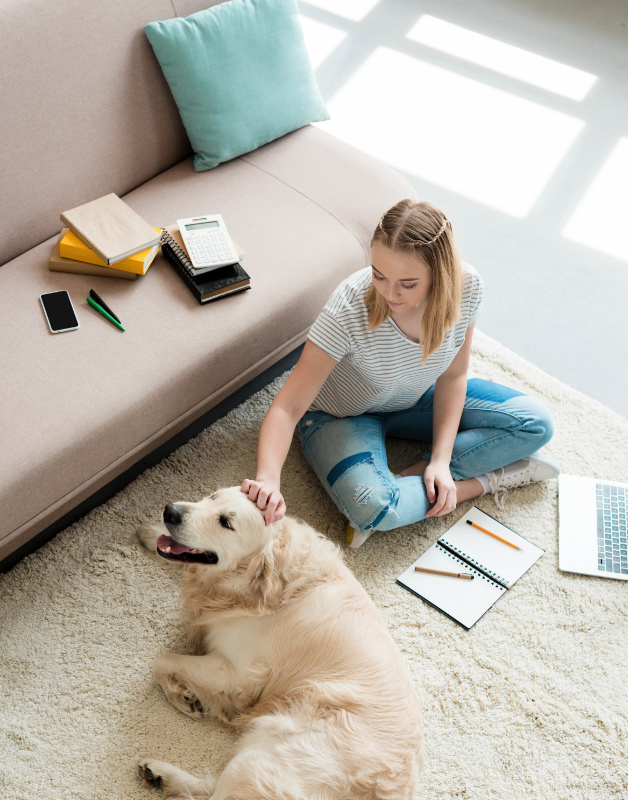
x=416, y=469
x=465, y=490
x=468, y=490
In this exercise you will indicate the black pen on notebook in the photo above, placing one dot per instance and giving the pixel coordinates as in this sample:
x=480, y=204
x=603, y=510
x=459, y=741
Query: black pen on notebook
x=102, y=304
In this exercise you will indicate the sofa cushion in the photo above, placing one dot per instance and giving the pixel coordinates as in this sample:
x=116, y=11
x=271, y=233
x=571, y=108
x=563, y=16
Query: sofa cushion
x=81, y=407
x=348, y=187
x=240, y=75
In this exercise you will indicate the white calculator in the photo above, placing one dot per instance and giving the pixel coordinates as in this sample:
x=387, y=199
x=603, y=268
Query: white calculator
x=207, y=241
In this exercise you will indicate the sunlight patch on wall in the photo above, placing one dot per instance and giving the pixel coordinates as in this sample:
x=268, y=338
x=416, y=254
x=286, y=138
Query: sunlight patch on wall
x=601, y=219
x=503, y=58
x=320, y=39
x=355, y=10
x=483, y=143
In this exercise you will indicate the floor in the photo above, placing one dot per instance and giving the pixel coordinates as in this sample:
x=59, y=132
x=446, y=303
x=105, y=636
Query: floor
x=512, y=117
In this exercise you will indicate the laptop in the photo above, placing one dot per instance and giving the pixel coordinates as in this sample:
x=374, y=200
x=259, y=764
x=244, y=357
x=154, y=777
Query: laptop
x=593, y=527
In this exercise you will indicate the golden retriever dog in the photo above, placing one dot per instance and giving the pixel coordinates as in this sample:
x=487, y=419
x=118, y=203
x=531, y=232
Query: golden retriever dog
x=293, y=652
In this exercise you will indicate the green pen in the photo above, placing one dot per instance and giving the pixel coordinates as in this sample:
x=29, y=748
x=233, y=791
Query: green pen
x=102, y=311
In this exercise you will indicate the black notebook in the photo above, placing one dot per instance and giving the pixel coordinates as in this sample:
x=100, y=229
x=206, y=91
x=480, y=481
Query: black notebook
x=209, y=285
x=495, y=566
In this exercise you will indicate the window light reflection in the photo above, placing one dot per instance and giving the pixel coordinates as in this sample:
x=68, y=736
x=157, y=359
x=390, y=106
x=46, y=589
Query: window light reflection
x=503, y=58
x=483, y=143
x=354, y=10
x=601, y=219
x=320, y=40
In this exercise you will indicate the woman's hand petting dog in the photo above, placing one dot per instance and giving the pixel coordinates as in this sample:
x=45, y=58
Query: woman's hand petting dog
x=265, y=495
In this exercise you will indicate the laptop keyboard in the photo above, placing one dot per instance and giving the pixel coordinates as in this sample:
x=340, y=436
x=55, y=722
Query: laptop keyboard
x=612, y=529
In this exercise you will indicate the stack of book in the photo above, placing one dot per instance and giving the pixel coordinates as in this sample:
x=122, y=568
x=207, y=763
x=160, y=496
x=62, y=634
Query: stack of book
x=205, y=286
x=107, y=238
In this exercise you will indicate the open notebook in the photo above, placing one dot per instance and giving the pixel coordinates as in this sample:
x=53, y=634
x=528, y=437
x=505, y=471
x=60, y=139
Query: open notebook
x=494, y=565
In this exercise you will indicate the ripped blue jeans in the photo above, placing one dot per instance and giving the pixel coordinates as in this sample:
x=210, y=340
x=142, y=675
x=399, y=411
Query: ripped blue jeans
x=348, y=454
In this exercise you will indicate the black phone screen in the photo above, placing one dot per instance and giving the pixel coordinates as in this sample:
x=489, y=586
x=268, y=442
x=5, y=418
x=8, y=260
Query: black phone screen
x=59, y=310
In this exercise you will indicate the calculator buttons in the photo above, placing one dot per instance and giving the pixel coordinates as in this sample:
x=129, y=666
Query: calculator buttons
x=207, y=241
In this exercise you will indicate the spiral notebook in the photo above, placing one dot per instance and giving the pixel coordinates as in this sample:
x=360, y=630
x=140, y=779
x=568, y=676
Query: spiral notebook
x=495, y=567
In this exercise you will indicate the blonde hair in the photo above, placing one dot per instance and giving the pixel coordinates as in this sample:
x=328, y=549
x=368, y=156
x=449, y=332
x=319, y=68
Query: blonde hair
x=422, y=231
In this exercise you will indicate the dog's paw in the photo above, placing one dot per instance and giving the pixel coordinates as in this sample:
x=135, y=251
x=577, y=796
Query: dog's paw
x=148, y=535
x=182, y=697
x=172, y=781
x=194, y=706
x=150, y=771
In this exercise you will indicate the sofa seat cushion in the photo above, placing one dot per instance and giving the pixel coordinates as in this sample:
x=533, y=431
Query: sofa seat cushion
x=81, y=407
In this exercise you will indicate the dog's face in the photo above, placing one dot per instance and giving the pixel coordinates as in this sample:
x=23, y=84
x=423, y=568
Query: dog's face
x=218, y=531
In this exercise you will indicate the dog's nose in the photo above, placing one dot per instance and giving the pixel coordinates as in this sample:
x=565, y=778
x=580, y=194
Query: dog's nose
x=172, y=514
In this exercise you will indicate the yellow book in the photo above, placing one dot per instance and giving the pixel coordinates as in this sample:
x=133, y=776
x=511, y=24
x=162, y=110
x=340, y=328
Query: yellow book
x=74, y=248
x=60, y=264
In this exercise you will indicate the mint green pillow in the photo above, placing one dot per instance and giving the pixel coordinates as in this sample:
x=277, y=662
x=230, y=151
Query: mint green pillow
x=240, y=76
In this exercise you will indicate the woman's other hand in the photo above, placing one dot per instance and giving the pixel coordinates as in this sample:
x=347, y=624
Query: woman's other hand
x=265, y=495
x=440, y=488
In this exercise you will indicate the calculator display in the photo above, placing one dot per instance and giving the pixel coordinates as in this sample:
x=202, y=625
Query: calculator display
x=196, y=226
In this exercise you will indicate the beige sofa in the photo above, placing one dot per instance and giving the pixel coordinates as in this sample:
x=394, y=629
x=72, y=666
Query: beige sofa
x=86, y=111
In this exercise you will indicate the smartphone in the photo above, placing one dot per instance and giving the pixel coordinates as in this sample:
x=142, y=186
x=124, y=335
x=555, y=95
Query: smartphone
x=59, y=311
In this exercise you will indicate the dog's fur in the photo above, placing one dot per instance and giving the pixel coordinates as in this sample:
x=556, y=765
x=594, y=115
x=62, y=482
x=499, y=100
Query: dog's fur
x=293, y=652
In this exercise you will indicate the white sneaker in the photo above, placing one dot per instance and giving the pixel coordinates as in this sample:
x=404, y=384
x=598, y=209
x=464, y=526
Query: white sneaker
x=538, y=467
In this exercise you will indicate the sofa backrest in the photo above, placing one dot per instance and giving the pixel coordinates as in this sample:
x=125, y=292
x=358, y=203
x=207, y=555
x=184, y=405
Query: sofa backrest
x=85, y=109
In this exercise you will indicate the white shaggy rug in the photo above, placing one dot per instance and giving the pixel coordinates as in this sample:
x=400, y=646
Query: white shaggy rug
x=531, y=703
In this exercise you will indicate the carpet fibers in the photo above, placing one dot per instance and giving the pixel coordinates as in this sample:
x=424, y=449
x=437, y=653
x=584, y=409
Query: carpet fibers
x=531, y=703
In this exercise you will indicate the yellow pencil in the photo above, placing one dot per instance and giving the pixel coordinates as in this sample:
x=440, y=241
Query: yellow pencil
x=464, y=575
x=494, y=535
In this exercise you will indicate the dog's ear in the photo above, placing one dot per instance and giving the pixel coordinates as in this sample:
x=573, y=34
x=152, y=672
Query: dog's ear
x=268, y=572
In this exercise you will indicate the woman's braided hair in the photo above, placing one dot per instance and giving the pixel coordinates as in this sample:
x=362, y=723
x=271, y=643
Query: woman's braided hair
x=422, y=231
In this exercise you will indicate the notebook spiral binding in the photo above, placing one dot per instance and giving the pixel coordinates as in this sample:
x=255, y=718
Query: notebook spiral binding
x=498, y=578
x=181, y=255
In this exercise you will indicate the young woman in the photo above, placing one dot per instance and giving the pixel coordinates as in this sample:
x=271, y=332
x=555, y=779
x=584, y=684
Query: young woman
x=389, y=355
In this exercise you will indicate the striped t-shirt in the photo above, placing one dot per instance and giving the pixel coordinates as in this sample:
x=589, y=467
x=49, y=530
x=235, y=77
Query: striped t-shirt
x=381, y=370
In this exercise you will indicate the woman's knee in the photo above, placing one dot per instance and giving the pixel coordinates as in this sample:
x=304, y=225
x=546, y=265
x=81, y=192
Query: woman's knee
x=540, y=425
x=366, y=494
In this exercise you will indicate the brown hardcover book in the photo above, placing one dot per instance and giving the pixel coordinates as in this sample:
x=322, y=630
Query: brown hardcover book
x=60, y=264
x=110, y=228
